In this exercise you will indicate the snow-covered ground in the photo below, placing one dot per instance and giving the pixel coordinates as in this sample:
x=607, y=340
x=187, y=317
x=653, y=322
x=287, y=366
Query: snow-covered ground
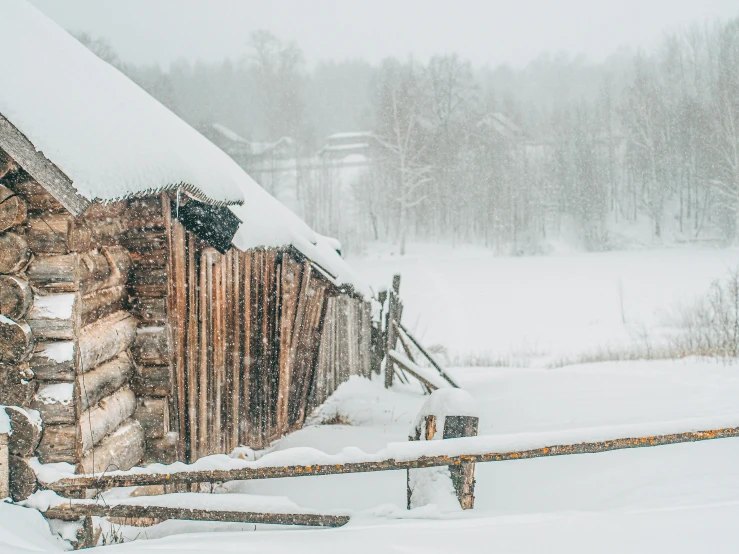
x=679, y=498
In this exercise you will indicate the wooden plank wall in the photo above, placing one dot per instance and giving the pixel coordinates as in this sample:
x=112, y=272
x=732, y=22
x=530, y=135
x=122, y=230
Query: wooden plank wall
x=243, y=345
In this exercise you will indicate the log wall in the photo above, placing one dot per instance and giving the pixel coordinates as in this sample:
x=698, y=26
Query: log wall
x=67, y=287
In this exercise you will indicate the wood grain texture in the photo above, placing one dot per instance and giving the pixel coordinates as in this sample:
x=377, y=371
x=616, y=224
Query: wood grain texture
x=16, y=297
x=15, y=143
x=14, y=253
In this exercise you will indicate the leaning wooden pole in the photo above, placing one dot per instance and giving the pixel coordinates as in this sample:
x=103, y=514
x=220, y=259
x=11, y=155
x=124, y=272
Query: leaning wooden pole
x=428, y=356
x=132, y=479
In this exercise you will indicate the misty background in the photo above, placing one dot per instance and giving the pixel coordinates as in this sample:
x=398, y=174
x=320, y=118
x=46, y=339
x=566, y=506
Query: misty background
x=519, y=151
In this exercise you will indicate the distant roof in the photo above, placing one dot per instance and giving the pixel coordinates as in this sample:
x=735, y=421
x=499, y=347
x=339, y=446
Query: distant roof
x=228, y=133
x=254, y=148
x=350, y=134
x=87, y=132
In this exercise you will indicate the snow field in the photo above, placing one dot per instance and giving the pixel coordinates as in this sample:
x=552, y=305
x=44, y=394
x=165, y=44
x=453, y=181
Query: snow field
x=538, y=310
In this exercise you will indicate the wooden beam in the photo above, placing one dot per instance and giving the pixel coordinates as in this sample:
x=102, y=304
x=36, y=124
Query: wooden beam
x=41, y=168
x=134, y=479
x=77, y=510
x=428, y=356
x=407, y=367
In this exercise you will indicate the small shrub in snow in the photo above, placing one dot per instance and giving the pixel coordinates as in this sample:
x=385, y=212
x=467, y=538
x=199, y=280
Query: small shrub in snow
x=710, y=327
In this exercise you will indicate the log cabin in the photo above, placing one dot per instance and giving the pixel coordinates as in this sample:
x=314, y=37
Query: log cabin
x=155, y=303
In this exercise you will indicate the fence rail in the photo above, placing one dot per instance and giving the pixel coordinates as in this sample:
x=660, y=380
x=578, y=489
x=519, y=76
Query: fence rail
x=105, y=482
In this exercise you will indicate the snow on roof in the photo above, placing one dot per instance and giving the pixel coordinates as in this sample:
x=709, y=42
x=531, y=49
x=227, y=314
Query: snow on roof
x=102, y=130
x=349, y=134
x=269, y=223
x=113, y=140
x=229, y=134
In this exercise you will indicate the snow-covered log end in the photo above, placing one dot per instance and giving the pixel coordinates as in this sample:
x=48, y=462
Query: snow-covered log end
x=440, y=404
x=447, y=413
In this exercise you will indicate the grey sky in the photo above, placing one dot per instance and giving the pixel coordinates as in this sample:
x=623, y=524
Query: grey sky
x=485, y=31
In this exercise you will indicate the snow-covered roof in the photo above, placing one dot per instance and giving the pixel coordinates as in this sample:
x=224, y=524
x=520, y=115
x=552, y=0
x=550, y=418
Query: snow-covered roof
x=229, y=134
x=111, y=140
x=349, y=134
x=106, y=135
x=268, y=223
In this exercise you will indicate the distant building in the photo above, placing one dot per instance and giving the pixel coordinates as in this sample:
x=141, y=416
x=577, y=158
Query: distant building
x=245, y=152
x=341, y=145
x=502, y=125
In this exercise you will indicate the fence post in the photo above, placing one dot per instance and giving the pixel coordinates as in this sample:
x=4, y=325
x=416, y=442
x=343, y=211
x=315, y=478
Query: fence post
x=446, y=414
x=392, y=336
x=463, y=475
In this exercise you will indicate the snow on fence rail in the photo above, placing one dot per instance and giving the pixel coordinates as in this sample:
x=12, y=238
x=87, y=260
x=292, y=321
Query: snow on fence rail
x=296, y=462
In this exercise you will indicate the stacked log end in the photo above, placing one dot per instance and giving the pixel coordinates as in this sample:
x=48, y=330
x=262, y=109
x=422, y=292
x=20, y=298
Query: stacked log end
x=65, y=332
x=148, y=291
x=17, y=341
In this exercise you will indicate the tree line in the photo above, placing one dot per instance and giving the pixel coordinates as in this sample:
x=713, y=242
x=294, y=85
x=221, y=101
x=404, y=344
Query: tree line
x=642, y=147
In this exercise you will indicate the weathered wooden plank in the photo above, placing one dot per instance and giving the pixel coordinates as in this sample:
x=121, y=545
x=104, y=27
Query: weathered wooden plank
x=191, y=354
x=16, y=297
x=163, y=450
x=57, y=233
x=73, y=512
x=237, y=311
x=409, y=462
x=219, y=353
x=206, y=333
x=463, y=475
x=151, y=312
x=177, y=315
x=13, y=142
x=245, y=423
x=290, y=288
